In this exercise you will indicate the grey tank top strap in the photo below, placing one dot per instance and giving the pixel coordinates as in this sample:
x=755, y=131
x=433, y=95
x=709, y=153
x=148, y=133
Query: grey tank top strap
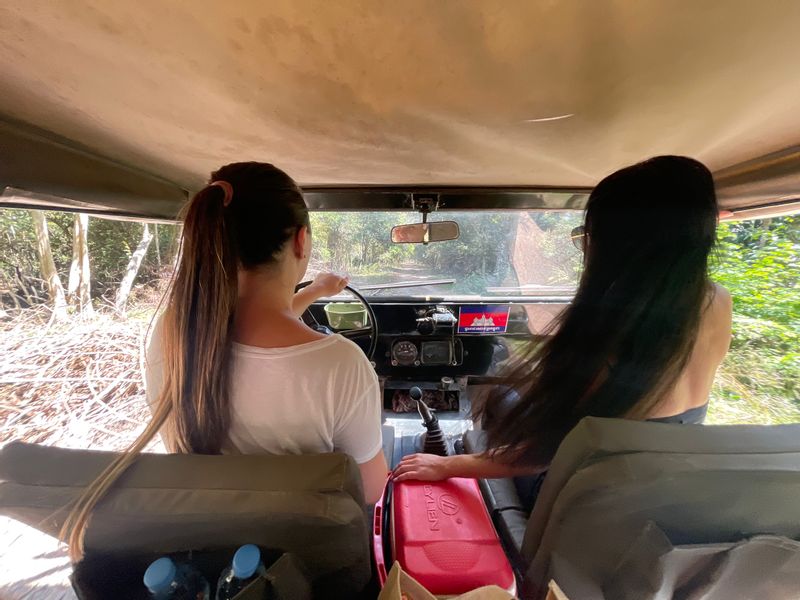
x=693, y=416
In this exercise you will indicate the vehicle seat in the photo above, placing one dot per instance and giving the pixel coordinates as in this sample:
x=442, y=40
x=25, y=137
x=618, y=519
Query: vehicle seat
x=311, y=506
x=612, y=479
x=508, y=513
x=388, y=443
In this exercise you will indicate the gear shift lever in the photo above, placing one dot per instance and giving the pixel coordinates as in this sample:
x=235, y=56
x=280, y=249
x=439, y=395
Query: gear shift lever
x=434, y=438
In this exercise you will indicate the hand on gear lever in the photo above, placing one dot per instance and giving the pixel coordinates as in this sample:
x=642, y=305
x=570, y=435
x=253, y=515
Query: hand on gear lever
x=434, y=438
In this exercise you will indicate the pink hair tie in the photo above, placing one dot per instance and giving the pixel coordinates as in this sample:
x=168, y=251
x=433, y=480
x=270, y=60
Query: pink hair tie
x=227, y=188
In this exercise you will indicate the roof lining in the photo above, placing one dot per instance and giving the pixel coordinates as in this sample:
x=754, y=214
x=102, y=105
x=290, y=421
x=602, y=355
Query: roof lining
x=37, y=167
x=44, y=178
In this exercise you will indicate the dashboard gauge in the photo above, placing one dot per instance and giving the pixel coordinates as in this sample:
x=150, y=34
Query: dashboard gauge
x=437, y=353
x=405, y=353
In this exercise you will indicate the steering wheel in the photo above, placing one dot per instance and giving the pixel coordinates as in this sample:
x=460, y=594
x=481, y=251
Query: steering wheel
x=370, y=330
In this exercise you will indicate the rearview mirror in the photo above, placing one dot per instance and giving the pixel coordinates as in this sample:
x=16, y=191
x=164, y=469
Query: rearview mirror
x=424, y=233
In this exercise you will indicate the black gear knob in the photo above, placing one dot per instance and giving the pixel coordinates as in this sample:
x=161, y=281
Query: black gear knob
x=434, y=442
x=424, y=411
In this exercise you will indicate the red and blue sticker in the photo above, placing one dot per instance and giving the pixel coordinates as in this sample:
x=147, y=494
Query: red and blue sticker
x=483, y=319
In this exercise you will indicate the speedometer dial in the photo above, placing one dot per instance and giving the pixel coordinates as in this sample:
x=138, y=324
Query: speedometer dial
x=404, y=353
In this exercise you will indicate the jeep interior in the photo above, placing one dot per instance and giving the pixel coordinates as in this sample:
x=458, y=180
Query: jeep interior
x=431, y=121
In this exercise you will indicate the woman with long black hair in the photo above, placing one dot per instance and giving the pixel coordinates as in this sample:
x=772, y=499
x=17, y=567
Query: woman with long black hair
x=642, y=339
x=230, y=367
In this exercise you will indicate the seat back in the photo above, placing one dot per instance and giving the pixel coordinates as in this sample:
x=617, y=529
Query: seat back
x=311, y=506
x=611, y=479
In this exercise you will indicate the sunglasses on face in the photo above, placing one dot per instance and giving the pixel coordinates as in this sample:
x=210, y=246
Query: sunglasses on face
x=578, y=237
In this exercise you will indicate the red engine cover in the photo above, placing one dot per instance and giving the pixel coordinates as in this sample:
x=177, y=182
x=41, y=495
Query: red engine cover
x=443, y=537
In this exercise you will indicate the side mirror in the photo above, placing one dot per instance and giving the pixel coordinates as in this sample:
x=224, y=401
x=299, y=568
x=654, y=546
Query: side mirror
x=424, y=233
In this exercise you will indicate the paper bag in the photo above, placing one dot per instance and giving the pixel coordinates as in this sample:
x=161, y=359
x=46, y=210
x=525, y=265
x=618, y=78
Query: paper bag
x=401, y=586
x=554, y=592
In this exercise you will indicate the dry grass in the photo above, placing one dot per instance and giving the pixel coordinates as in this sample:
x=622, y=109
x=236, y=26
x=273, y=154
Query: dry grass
x=750, y=388
x=74, y=384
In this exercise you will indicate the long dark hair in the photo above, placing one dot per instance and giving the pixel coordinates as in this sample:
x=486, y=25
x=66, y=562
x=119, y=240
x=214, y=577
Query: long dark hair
x=241, y=220
x=629, y=331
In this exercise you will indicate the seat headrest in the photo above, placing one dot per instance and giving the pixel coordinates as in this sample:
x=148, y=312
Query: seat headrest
x=311, y=506
x=33, y=464
x=698, y=483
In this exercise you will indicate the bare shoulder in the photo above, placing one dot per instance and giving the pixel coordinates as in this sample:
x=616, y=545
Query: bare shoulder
x=721, y=294
x=721, y=302
x=719, y=320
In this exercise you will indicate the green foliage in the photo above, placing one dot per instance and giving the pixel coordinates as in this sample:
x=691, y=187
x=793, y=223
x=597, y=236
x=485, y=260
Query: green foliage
x=110, y=246
x=479, y=258
x=566, y=261
x=482, y=257
x=357, y=243
x=20, y=281
x=17, y=242
x=759, y=263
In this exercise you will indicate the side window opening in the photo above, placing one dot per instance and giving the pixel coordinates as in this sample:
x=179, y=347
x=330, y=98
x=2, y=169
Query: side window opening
x=758, y=261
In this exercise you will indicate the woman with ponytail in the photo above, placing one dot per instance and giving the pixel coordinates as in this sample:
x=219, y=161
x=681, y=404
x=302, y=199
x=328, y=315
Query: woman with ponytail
x=230, y=367
x=642, y=339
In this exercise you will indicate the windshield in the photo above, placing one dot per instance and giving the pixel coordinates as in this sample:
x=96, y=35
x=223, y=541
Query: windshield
x=501, y=253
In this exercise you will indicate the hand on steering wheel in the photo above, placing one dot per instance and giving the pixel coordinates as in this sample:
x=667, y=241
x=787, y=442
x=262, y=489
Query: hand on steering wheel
x=333, y=282
x=328, y=285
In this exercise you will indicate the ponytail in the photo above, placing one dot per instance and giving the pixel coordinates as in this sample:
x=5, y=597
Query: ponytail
x=192, y=407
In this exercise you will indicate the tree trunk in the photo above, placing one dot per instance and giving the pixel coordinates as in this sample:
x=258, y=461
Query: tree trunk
x=79, y=288
x=158, y=247
x=74, y=281
x=133, y=269
x=47, y=266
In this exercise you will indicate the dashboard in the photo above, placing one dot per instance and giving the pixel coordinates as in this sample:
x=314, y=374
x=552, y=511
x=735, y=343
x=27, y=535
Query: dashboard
x=454, y=339
x=442, y=346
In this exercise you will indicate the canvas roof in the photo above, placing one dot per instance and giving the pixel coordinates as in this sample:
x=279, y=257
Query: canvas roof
x=128, y=105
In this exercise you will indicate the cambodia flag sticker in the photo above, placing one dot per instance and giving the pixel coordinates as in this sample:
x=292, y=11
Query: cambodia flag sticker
x=483, y=319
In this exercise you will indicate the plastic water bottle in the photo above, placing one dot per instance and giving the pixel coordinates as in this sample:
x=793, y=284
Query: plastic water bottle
x=166, y=580
x=245, y=568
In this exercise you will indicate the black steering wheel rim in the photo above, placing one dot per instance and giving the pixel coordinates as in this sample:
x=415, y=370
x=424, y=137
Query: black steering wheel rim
x=373, y=322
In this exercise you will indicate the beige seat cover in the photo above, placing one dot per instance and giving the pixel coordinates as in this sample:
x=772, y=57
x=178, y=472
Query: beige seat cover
x=311, y=506
x=697, y=484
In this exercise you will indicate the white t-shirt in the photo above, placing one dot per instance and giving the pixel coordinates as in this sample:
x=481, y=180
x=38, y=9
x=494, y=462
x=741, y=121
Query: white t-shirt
x=321, y=396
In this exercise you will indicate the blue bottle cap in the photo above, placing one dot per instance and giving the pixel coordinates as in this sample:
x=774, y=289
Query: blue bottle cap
x=159, y=575
x=246, y=561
